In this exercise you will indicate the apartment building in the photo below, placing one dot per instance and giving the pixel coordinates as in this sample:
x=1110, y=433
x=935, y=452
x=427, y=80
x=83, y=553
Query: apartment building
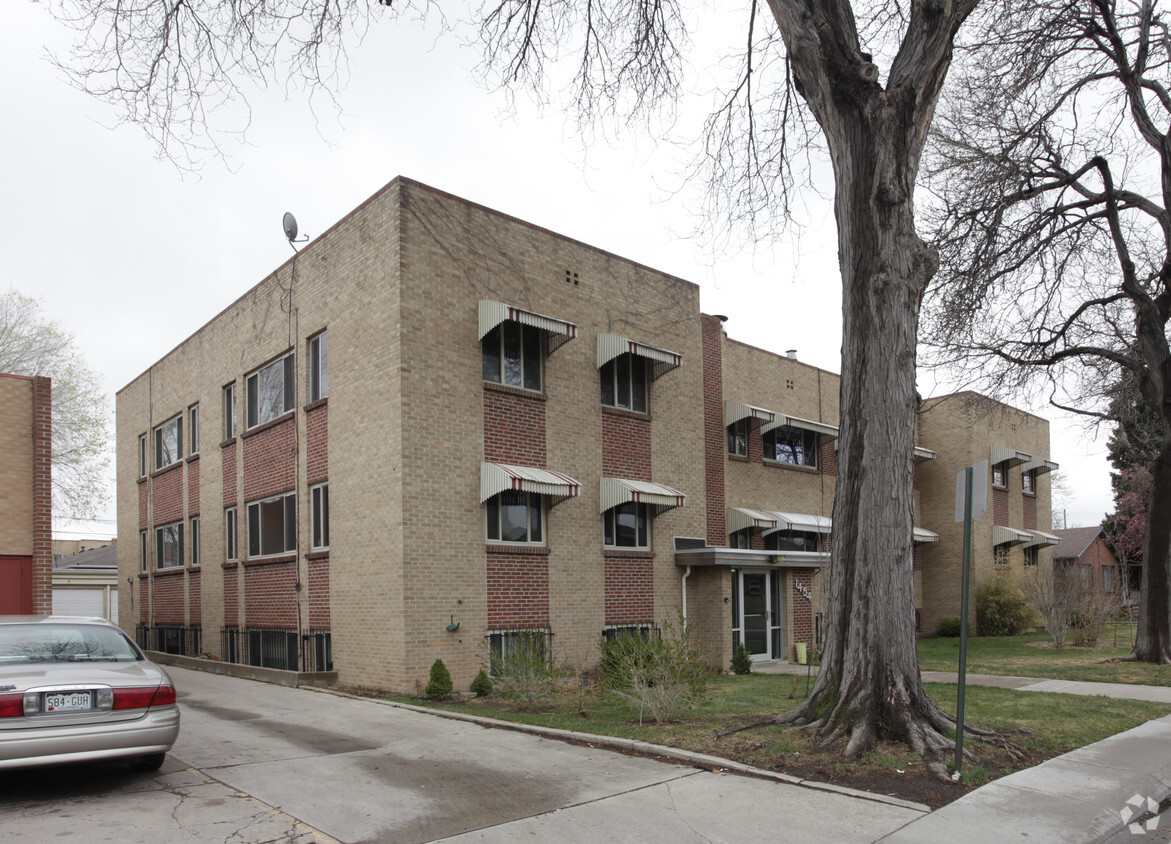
x=439, y=428
x=26, y=495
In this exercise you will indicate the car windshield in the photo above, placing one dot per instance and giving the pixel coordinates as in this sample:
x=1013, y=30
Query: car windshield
x=38, y=643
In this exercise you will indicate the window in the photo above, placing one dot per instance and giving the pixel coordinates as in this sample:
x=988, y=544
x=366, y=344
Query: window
x=144, y=550
x=230, y=533
x=169, y=546
x=272, y=526
x=142, y=458
x=270, y=391
x=738, y=538
x=1085, y=575
x=1031, y=556
x=193, y=427
x=998, y=475
x=319, y=367
x=1028, y=482
x=195, y=540
x=512, y=355
x=793, y=540
x=515, y=516
x=627, y=526
x=230, y=411
x=614, y=632
x=1109, y=580
x=795, y=446
x=738, y=438
x=1000, y=555
x=624, y=382
x=320, y=500
x=520, y=647
x=169, y=442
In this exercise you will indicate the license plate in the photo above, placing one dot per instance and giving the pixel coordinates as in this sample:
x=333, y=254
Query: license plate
x=67, y=701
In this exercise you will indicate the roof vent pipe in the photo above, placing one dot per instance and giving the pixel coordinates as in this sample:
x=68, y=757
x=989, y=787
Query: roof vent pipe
x=791, y=354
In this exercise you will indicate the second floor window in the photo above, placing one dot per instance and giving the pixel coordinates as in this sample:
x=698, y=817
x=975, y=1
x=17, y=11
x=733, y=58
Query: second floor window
x=230, y=533
x=230, y=411
x=272, y=526
x=512, y=355
x=270, y=391
x=795, y=446
x=193, y=426
x=738, y=438
x=515, y=516
x=1028, y=482
x=627, y=526
x=169, y=546
x=320, y=519
x=169, y=442
x=624, y=382
x=319, y=367
x=998, y=475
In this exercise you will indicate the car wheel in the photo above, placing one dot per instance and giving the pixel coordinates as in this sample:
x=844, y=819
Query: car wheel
x=147, y=764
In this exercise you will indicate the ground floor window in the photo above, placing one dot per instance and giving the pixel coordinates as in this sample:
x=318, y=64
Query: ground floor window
x=612, y=632
x=1109, y=578
x=510, y=650
x=1031, y=556
x=739, y=538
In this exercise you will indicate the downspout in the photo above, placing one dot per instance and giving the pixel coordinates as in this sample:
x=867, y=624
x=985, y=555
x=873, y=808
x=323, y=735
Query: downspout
x=683, y=583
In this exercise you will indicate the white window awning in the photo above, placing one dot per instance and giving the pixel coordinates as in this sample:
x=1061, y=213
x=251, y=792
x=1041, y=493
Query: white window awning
x=922, y=454
x=799, y=521
x=493, y=313
x=1009, y=456
x=920, y=535
x=661, y=497
x=1040, y=466
x=740, y=518
x=1002, y=535
x=1039, y=537
x=611, y=346
x=734, y=411
x=496, y=478
x=828, y=431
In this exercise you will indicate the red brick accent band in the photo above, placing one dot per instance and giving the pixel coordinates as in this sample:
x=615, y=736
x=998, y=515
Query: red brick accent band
x=626, y=447
x=193, y=488
x=802, y=609
x=228, y=456
x=169, y=604
x=518, y=591
x=42, y=495
x=270, y=461
x=194, y=596
x=167, y=496
x=231, y=597
x=999, y=506
x=317, y=443
x=629, y=590
x=514, y=427
x=270, y=599
x=1030, y=512
x=319, y=593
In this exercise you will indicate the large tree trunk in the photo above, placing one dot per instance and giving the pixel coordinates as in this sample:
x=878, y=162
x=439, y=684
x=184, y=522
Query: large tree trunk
x=1153, y=640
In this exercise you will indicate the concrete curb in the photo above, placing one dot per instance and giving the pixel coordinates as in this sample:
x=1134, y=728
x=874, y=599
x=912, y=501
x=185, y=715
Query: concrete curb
x=275, y=676
x=715, y=764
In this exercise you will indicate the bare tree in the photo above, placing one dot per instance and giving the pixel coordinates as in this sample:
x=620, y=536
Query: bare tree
x=30, y=344
x=812, y=73
x=1054, y=222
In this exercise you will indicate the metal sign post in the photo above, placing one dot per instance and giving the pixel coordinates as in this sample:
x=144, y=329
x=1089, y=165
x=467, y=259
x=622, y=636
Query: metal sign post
x=971, y=486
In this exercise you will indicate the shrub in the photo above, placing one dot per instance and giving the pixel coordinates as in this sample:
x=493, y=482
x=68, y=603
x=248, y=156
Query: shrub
x=1001, y=609
x=481, y=686
x=525, y=671
x=1050, y=594
x=948, y=627
x=741, y=660
x=1093, y=610
x=659, y=675
x=439, y=686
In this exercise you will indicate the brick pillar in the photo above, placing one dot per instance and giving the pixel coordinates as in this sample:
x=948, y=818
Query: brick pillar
x=714, y=442
x=42, y=495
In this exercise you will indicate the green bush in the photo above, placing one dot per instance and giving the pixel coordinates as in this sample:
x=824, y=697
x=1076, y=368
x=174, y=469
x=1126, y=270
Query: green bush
x=1001, y=609
x=741, y=660
x=948, y=627
x=481, y=686
x=439, y=686
x=657, y=675
x=525, y=671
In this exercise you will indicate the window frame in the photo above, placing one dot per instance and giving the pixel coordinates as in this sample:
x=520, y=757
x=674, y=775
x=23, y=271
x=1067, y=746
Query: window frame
x=810, y=445
x=230, y=411
x=738, y=438
x=530, y=350
x=144, y=550
x=161, y=540
x=1000, y=555
x=231, y=535
x=773, y=541
x=643, y=531
x=318, y=366
x=177, y=421
x=1032, y=556
x=193, y=429
x=288, y=532
x=498, y=640
x=611, y=375
x=143, y=456
x=494, y=505
x=613, y=632
x=1029, y=482
x=319, y=517
x=740, y=538
x=193, y=533
x=252, y=385
x=999, y=469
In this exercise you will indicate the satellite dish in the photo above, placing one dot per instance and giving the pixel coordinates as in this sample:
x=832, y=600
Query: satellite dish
x=290, y=224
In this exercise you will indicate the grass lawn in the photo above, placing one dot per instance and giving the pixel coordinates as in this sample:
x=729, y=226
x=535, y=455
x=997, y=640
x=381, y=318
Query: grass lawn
x=1051, y=723
x=1032, y=655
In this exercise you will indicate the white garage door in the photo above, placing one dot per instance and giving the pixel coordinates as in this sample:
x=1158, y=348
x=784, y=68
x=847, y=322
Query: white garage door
x=78, y=601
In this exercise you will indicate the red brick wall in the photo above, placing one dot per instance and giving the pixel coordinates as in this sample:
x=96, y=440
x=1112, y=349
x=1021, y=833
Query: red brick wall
x=143, y=497
x=168, y=589
x=195, y=596
x=827, y=458
x=802, y=610
x=229, y=464
x=42, y=561
x=193, y=488
x=144, y=600
x=167, y=492
x=715, y=441
x=269, y=597
x=629, y=590
x=514, y=427
x=1000, y=506
x=518, y=590
x=319, y=594
x=317, y=444
x=626, y=446
x=270, y=461
x=916, y=559
x=1030, y=512
x=231, y=596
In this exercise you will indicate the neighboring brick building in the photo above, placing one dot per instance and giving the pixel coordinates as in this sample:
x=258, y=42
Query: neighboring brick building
x=438, y=427
x=1083, y=553
x=26, y=495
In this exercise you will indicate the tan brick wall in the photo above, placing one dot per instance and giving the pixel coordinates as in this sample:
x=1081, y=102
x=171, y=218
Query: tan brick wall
x=16, y=465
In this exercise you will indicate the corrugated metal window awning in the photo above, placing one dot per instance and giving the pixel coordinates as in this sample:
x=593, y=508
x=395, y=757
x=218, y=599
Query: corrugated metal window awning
x=1039, y=537
x=920, y=535
x=799, y=521
x=734, y=411
x=1040, y=466
x=501, y=477
x=493, y=313
x=611, y=346
x=922, y=454
x=740, y=518
x=1009, y=456
x=1002, y=535
x=617, y=491
x=825, y=430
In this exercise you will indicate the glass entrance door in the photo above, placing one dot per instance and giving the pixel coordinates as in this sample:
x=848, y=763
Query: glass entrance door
x=758, y=600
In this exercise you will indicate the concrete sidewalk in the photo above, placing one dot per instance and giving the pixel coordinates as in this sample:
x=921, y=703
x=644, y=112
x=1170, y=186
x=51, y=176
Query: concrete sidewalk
x=1088, y=795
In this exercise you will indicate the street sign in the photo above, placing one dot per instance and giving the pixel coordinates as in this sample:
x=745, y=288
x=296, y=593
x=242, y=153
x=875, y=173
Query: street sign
x=979, y=491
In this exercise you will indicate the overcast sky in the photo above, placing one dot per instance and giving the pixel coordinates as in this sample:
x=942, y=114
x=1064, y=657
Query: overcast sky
x=133, y=256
